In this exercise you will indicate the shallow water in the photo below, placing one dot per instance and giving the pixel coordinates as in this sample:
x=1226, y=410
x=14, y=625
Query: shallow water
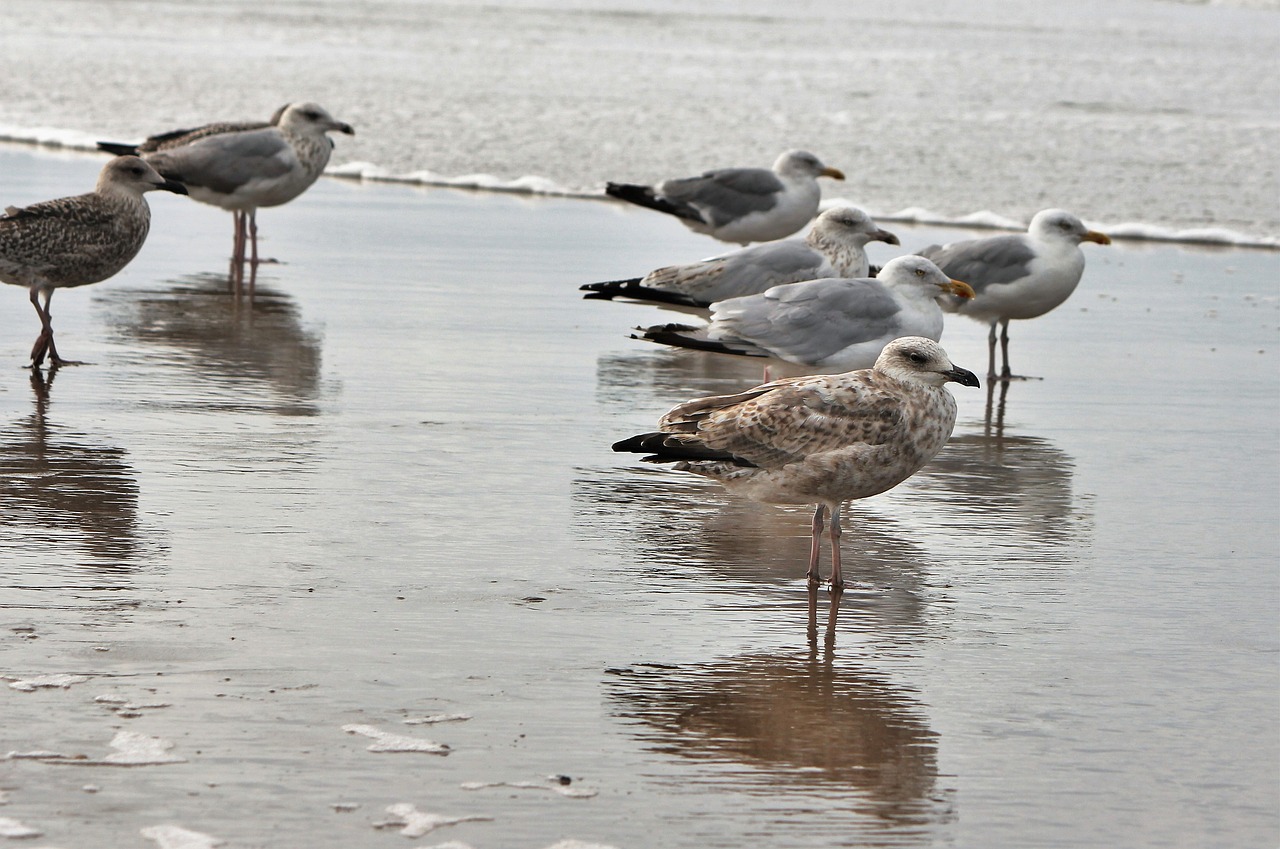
x=384, y=491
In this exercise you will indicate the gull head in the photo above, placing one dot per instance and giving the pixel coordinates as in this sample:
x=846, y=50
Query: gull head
x=311, y=118
x=130, y=175
x=850, y=224
x=919, y=273
x=1060, y=224
x=915, y=359
x=802, y=163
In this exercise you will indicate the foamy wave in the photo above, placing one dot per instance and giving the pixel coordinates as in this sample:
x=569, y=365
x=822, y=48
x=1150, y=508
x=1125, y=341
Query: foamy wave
x=532, y=185
x=535, y=185
x=1133, y=230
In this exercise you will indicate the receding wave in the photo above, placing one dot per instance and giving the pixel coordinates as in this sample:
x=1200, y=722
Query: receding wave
x=535, y=185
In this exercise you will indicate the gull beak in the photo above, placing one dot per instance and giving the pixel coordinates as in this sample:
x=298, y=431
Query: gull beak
x=957, y=287
x=1095, y=236
x=343, y=127
x=962, y=376
x=885, y=236
x=833, y=173
x=173, y=186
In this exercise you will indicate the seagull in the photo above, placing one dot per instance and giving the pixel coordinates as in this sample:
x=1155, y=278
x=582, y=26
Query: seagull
x=243, y=170
x=741, y=205
x=1016, y=276
x=819, y=439
x=835, y=324
x=78, y=240
x=832, y=248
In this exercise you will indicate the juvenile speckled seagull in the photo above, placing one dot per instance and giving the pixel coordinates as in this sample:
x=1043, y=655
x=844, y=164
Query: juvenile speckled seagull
x=823, y=439
x=740, y=205
x=243, y=170
x=835, y=324
x=834, y=247
x=1017, y=276
x=78, y=240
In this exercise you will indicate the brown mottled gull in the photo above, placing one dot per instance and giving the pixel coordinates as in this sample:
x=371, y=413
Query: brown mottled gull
x=740, y=205
x=822, y=439
x=834, y=324
x=1016, y=276
x=833, y=247
x=245, y=169
x=77, y=240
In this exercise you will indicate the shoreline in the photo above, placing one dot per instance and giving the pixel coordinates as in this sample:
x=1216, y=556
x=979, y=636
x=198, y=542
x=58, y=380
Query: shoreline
x=47, y=139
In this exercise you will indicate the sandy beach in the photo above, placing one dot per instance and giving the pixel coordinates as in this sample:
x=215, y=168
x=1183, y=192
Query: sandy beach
x=382, y=494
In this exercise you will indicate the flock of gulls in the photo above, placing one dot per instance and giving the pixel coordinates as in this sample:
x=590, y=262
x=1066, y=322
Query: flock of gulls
x=876, y=412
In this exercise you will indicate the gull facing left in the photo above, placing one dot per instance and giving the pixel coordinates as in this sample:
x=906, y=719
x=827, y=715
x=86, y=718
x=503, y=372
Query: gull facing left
x=78, y=240
x=821, y=439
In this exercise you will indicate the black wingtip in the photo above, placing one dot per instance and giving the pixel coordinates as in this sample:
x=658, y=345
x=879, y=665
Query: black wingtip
x=118, y=148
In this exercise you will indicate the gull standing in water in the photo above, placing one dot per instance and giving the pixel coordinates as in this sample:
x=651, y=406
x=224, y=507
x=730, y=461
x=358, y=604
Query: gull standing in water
x=822, y=439
x=740, y=205
x=78, y=240
x=1017, y=276
x=243, y=170
x=835, y=324
x=833, y=247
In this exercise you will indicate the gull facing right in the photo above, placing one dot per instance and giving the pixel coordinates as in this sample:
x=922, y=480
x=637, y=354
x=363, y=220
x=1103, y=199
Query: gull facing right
x=819, y=439
x=1017, y=276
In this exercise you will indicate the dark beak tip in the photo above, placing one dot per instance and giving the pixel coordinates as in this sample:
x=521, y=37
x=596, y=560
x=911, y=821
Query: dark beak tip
x=176, y=188
x=890, y=239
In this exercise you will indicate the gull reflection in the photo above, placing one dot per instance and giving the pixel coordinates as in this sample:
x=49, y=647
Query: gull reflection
x=1006, y=484
x=249, y=354
x=840, y=736
x=62, y=491
x=675, y=526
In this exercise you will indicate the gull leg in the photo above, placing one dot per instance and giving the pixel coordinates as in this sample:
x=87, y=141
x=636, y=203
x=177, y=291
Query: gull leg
x=837, y=579
x=991, y=352
x=41, y=346
x=236, y=273
x=816, y=547
x=1005, y=374
x=252, y=216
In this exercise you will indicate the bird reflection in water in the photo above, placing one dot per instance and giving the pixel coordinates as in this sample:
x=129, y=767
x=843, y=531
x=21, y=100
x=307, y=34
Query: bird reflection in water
x=802, y=727
x=674, y=528
x=61, y=492
x=248, y=355
x=1012, y=489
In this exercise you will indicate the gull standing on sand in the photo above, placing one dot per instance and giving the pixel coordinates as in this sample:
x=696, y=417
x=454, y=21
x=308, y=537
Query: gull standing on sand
x=1017, y=276
x=835, y=324
x=822, y=439
x=834, y=247
x=78, y=240
x=243, y=170
x=740, y=205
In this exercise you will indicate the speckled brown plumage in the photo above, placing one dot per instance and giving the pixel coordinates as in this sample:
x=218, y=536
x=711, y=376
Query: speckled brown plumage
x=74, y=241
x=822, y=439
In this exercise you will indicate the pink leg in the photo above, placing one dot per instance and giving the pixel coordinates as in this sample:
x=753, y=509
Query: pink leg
x=816, y=547
x=1004, y=348
x=837, y=578
x=991, y=352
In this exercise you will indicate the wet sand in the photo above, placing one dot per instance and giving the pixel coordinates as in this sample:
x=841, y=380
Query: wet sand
x=383, y=491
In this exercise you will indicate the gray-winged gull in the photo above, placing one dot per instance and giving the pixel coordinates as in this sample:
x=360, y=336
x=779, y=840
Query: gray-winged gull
x=822, y=439
x=247, y=169
x=77, y=240
x=836, y=324
x=1016, y=276
x=833, y=247
x=740, y=205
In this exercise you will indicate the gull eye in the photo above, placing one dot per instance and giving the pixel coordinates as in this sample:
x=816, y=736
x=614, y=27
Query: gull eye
x=917, y=358
x=919, y=272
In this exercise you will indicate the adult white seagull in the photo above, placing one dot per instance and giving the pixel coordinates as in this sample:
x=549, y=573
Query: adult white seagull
x=836, y=324
x=740, y=205
x=823, y=439
x=1016, y=276
x=833, y=247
